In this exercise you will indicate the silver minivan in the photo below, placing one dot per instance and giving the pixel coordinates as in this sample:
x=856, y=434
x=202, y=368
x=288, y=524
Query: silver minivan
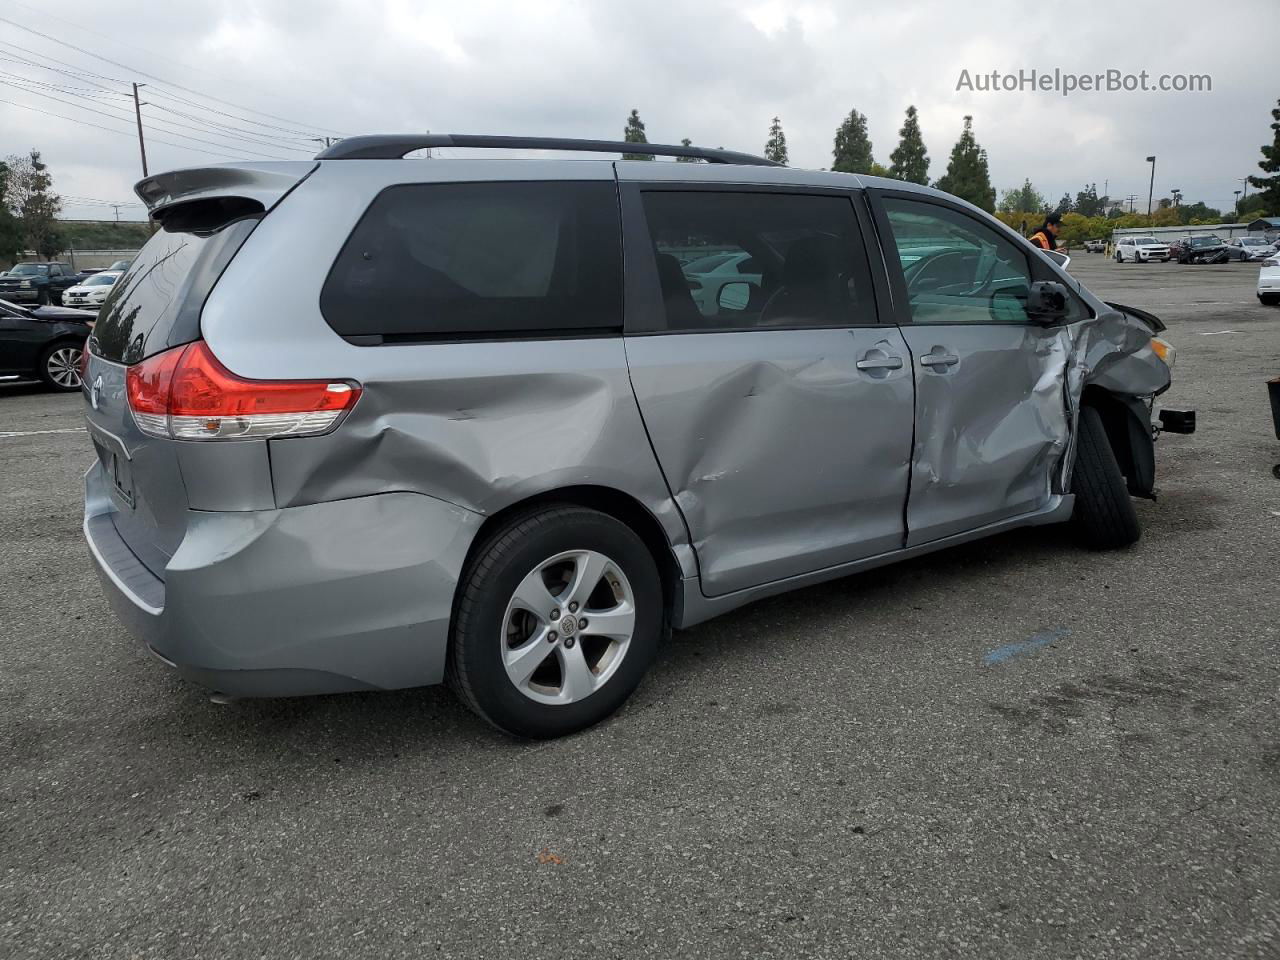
x=370, y=421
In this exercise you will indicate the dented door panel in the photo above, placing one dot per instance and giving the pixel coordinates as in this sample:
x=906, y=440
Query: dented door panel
x=989, y=428
x=782, y=455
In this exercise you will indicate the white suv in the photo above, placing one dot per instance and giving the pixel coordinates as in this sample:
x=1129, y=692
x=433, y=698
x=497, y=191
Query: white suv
x=1141, y=249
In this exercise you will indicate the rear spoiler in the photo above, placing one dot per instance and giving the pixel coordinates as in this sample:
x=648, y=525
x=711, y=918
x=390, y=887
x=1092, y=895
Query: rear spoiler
x=262, y=184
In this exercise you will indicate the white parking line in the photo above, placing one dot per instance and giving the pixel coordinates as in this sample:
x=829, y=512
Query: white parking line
x=9, y=434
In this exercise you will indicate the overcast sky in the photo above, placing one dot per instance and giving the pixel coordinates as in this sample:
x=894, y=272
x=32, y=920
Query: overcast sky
x=713, y=71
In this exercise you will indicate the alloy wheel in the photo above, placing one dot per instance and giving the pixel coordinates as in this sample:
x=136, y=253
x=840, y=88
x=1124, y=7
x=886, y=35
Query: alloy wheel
x=63, y=367
x=567, y=627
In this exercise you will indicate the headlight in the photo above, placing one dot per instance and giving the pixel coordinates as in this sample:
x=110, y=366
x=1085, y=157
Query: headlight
x=1164, y=350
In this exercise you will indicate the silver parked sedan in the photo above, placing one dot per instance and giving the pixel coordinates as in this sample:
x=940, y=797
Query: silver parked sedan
x=489, y=433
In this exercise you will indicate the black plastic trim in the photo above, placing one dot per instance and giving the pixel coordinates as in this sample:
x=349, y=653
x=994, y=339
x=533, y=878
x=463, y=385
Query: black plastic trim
x=394, y=146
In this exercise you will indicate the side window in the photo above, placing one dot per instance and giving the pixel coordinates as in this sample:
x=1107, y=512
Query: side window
x=480, y=260
x=770, y=260
x=55, y=271
x=956, y=268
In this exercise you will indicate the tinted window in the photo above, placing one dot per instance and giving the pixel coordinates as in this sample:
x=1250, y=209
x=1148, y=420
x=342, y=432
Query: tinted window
x=157, y=303
x=956, y=268
x=480, y=260
x=807, y=264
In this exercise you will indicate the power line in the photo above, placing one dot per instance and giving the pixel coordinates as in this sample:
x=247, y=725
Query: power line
x=151, y=76
x=161, y=56
x=129, y=134
x=100, y=108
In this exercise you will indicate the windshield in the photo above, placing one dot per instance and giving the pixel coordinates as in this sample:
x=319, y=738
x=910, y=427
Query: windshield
x=28, y=270
x=1204, y=241
x=1253, y=242
x=98, y=280
x=119, y=265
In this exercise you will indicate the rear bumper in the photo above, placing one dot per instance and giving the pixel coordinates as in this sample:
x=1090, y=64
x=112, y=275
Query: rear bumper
x=348, y=595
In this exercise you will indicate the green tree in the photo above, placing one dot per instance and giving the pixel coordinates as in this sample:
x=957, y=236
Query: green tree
x=634, y=133
x=1270, y=163
x=775, y=147
x=686, y=142
x=10, y=227
x=1023, y=199
x=968, y=175
x=1065, y=205
x=1251, y=208
x=852, y=149
x=1088, y=203
x=1189, y=212
x=909, y=161
x=30, y=197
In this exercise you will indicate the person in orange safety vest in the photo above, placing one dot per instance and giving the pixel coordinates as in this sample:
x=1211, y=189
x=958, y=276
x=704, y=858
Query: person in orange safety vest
x=1046, y=238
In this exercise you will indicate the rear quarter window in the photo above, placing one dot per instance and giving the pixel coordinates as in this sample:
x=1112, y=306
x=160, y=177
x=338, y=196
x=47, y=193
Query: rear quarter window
x=479, y=261
x=156, y=304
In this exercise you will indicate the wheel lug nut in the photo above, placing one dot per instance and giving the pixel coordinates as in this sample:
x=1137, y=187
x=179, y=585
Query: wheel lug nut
x=551, y=637
x=582, y=623
x=555, y=614
x=568, y=642
x=573, y=608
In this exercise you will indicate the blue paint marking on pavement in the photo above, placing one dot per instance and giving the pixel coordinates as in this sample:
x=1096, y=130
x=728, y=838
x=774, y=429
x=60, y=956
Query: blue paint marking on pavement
x=1034, y=642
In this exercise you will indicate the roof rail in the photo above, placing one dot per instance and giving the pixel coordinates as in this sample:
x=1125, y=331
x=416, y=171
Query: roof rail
x=393, y=146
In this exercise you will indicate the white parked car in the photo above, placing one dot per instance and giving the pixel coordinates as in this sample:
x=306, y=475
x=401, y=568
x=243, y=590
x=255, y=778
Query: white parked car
x=708, y=276
x=1141, y=250
x=89, y=294
x=1269, y=281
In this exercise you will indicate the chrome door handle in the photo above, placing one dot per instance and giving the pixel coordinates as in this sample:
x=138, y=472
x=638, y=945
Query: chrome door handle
x=939, y=360
x=881, y=363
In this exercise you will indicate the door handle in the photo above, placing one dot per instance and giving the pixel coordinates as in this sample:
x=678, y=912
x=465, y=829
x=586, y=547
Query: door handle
x=880, y=363
x=939, y=360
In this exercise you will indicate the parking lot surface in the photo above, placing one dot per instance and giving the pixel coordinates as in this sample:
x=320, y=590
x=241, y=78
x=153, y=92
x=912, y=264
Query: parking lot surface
x=1011, y=749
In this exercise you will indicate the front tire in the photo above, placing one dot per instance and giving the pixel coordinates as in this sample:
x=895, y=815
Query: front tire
x=60, y=366
x=1104, y=516
x=559, y=616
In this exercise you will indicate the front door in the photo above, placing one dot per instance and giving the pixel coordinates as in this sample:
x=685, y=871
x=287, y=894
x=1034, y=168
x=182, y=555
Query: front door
x=780, y=410
x=991, y=415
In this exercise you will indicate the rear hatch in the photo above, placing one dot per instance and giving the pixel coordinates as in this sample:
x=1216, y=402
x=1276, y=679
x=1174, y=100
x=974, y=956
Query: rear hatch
x=205, y=216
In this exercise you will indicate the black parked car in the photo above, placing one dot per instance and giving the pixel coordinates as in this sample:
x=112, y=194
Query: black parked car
x=43, y=342
x=40, y=283
x=1202, y=250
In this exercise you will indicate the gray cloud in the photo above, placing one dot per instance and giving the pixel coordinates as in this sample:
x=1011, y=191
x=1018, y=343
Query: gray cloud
x=714, y=71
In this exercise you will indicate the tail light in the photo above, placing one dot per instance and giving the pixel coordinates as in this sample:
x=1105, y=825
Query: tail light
x=186, y=394
x=83, y=364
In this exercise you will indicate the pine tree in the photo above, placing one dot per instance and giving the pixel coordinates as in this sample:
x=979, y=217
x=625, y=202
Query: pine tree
x=852, y=150
x=775, y=147
x=1064, y=205
x=29, y=197
x=686, y=142
x=10, y=228
x=1270, y=186
x=1023, y=199
x=968, y=175
x=910, y=161
x=634, y=133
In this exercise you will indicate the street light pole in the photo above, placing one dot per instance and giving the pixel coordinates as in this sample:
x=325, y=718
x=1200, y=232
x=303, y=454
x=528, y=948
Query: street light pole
x=1152, y=188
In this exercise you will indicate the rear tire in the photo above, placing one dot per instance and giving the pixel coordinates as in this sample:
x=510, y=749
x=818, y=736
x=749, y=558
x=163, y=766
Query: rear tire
x=1104, y=517
x=60, y=366
x=1269, y=299
x=513, y=661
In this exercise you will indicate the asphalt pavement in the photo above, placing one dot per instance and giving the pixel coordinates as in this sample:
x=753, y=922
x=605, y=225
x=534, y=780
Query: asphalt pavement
x=1012, y=749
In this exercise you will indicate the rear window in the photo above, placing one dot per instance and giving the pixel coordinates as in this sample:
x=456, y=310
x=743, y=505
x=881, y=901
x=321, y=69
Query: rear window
x=156, y=304
x=480, y=260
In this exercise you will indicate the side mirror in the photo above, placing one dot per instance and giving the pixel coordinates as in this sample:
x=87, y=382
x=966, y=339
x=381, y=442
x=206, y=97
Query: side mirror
x=734, y=296
x=1047, y=302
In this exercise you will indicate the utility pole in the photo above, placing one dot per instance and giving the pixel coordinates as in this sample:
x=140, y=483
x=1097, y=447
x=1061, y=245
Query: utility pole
x=1152, y=188
x=1130, y=198
x=142, y=144
x=116, y=208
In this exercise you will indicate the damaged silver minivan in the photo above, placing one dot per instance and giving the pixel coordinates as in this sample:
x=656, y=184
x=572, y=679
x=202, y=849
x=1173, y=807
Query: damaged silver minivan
x=368, y=422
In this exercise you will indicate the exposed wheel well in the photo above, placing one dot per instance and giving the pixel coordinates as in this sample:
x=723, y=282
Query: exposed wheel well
x=621, y=506
x=1129, y=438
